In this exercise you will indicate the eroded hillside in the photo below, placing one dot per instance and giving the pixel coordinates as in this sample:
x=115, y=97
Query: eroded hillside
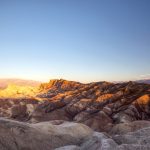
x=100, y=105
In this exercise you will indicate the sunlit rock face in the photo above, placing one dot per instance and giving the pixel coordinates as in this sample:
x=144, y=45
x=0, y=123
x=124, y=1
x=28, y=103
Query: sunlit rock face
x=99, y=105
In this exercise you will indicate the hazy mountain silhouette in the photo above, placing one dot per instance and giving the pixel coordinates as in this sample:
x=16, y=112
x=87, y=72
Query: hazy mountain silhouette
x=19, y=82
x=147, y=81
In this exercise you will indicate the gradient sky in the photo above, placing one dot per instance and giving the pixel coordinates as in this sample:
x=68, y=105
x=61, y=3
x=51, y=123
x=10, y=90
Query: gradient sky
x=83, y=40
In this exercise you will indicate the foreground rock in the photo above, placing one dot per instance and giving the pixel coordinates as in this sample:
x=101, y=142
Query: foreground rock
x=99, y=141
x=70, y=147
x=63, y=135
x=124, y=128
x=138, y=140
x=42, y=136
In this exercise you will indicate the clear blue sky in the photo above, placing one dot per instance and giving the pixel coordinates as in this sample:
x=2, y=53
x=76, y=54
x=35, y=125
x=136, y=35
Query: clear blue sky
x=84, y=40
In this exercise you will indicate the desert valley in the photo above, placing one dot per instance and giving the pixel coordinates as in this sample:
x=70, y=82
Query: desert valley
x=68, y=115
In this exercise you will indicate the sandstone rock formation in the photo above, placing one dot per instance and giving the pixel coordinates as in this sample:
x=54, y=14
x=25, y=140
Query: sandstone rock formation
x=100, y=105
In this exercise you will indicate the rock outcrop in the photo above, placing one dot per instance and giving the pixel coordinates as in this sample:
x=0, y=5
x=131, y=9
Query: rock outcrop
x=100, y=105
x=63, y=135
x=16, y=135
x=124, y=128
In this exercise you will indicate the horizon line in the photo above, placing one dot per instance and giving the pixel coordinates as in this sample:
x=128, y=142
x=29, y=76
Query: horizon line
x=46, y=80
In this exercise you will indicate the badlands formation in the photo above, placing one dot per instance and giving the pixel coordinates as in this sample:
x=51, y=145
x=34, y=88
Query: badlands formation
x=68, y=115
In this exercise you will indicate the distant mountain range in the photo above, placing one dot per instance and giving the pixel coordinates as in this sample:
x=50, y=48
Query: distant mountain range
x=146, y=81
x=19, y=82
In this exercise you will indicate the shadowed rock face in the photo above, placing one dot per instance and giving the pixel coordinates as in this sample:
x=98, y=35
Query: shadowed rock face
x=124, y=128
x=100, y=105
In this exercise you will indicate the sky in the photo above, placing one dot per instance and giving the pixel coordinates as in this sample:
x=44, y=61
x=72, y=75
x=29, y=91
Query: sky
x=82, y=40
